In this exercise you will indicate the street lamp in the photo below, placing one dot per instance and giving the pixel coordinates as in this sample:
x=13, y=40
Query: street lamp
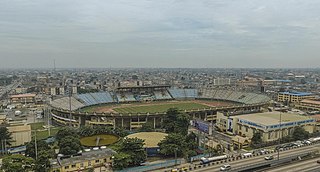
x=175, y=155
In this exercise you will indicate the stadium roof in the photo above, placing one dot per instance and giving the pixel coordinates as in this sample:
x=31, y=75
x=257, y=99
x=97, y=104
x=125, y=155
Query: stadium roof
x=272, y=118
x=151, y=139
x=295, y=93
x=283, y=80
x=151, y=86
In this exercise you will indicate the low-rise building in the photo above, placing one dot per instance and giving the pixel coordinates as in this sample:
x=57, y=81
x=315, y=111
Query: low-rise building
x=294, y=97
x=83, y=161
x=21, y=134
x=3, y=119
x=23, y=98
x=267, y=123
x=309, y=105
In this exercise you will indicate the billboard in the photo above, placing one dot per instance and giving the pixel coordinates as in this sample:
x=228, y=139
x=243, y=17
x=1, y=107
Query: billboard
x=201, y=125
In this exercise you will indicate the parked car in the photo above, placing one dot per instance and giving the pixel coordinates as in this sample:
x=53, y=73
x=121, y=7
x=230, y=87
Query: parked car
x=225, y=167
x=306, y=142
x=270, y=157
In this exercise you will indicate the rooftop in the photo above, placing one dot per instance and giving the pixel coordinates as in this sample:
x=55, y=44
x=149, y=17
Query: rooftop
x=315, y=102
x=151, y=139
x=20, y=128
x=92, y=155
x=272, y=118
x=295, y=93
x=23, y=95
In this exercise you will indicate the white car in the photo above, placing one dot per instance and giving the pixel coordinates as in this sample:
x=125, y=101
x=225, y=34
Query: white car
x=268, y=157
x=225, y=167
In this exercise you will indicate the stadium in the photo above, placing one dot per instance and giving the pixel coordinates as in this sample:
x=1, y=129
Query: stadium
x=131, y=107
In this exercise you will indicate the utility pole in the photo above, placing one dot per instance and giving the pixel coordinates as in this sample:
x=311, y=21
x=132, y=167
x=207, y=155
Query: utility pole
x=35, y=143
x=175, y=156
x=48, y=118
x=280, y=135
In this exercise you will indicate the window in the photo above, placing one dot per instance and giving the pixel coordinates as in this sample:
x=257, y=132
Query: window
x=97, y=161
x=66, y=167
x=246, y=129
x=81, y=165
x=73, y=166
x=269, y=135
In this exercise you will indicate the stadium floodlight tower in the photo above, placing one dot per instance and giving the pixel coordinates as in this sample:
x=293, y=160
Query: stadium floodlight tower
x=69, y=92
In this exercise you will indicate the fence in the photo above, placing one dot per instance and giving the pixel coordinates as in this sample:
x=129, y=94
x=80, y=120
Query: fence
x=165, y=164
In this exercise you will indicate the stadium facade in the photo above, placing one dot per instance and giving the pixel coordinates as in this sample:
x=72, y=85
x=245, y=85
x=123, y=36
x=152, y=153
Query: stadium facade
x=61, y=115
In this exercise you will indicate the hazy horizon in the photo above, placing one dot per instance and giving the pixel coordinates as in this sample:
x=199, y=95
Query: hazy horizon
x=159, y=34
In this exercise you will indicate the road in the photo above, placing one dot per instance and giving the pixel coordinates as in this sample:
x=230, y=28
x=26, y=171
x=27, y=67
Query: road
x=308, y=166
x=260, y=159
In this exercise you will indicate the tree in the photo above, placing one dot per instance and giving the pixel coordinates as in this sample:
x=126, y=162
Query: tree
x=176, y=122
x=134, y=148
x=174, y=142
x=147, y=127
x=42, y=163
x=191, y=141
x=41, y=146
x=14, y=163
x=86, y=131
x=90, y=170
x=102, y=129
x=66, y=131
x=256, y=138
x=169, y=119
x=5, y=137
x=69, y=145
x=300, y=133
x=120, y=132
x=130, y=153
x=182, y=124
x=121, y=161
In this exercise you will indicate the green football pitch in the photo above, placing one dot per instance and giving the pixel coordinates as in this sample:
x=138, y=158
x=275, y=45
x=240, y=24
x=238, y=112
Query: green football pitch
x=160, y=107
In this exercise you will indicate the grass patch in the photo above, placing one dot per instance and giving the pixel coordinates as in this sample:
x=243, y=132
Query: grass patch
x=248, y=148
x=37, y=126
x=105, y=139
x=160, y=108
x=44, y=134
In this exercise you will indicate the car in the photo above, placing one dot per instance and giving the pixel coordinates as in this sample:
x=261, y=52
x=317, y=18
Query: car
x=184, y=169
x=270, y=157
x=306, y=142
x=174, y=170
x=225, y=167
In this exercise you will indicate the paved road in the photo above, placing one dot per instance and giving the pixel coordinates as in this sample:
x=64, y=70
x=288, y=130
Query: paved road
x=260, y=159
x=308, y=165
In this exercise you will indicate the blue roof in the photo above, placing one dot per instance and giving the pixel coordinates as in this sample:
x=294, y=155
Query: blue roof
x=295, y=93
x=282, y=80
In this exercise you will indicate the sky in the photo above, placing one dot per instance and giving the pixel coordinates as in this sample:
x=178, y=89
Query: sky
x=159, y=33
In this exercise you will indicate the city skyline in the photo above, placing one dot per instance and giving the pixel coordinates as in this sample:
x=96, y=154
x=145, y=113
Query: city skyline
x=166, y=34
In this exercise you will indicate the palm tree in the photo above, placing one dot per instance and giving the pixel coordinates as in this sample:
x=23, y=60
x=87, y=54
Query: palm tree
x=5, y=138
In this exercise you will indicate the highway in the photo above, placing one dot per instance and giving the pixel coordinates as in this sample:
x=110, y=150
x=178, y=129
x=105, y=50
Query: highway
x=260, y=159
x=307, y=166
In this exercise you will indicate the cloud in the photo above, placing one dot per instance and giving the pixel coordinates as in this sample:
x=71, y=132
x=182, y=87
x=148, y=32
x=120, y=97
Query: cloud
x=111, y=32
